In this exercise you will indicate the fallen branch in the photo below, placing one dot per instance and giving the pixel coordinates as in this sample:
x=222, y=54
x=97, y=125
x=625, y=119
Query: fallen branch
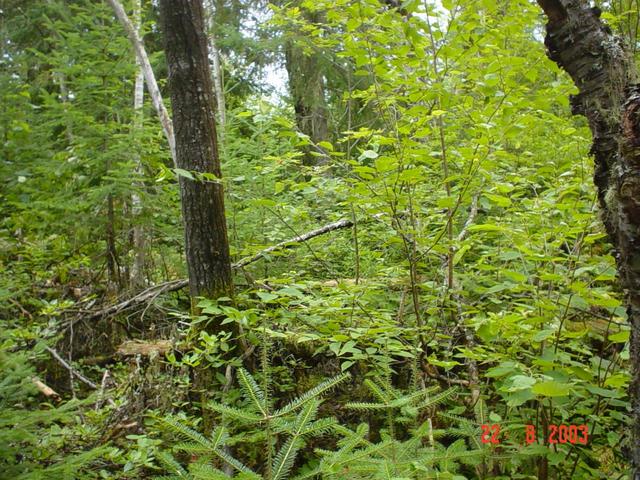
x=293, y=241
x=156, y=290
x=45, y=389
x=73, y=372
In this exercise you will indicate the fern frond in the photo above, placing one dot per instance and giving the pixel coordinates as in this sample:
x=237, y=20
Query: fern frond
x=366, y=452
x=439, y=456
x=316, y=472
x=351, y=437
x=467, y=428
x=403, y=400
x=526, y=452
x=171, y=464
x=319, y=427
x=362, y=430
x=286, y=456
x=458, y=419
x=306, y=415
x=415, y=441
x=367, y=406
x=203, y=471
x=389, y=389
x=185, y=432
x=192, y=447
x=315, y=392
x=235, y=413
x=248, y=476
x=282, y=425
x=252, y=390
x=378, y=392
x=239, y=466
x=219, y=437
x=438, y=398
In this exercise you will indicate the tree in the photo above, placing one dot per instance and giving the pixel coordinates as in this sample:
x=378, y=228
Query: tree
x=201, y=191
x=137, y=268
x=609, y=96
x=307, y=90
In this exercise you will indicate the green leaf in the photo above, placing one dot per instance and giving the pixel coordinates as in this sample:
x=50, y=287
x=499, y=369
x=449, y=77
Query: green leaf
x=620, y=337
x=543, y=335
x=346, y=364
x=551, y=388
x=267, y=297
x=326, y=145
x=501, y=370
x=498, y=200
x=184, y=173
x=520, y=382
x=603, y=392
x=368, y=154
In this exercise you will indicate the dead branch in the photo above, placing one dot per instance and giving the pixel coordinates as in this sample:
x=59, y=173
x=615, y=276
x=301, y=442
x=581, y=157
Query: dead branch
x=103, y=387
x=154, y=291
x=45, y=389
x=73, y=372
x=293, y=241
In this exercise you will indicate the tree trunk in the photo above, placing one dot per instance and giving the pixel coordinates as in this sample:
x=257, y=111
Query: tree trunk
x=306, y=87
x=137, y=270
x=605, y=74
x=206, y=243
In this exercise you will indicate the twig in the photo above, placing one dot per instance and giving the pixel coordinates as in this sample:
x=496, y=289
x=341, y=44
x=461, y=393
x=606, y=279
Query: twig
x=103, y=387
x=150, y=79
x=79, y=376
x=21, y=308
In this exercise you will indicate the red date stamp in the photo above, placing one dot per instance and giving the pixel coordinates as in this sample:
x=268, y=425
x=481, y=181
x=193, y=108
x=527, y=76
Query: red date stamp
x=556, y=434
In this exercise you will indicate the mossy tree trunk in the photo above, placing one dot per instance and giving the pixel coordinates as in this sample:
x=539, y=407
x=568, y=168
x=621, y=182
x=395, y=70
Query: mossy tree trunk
x=609, y=96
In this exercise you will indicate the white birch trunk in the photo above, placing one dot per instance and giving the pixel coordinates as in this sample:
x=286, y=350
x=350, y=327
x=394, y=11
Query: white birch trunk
x=152, y=85
x=137, y=270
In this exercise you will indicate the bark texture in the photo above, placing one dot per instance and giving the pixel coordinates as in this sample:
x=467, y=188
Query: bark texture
x=606, y=76
x=307, y=90
x=206, y=243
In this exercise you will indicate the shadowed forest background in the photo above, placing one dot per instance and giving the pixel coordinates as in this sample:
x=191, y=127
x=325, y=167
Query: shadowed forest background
x=415, y=250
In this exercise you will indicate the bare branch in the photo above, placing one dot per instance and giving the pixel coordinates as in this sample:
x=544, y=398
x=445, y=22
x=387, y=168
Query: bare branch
x=154, y=291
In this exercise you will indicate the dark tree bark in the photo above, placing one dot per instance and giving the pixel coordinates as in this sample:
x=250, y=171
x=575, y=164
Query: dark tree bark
x=307, y=90
x=206, y=243
x=609, y=96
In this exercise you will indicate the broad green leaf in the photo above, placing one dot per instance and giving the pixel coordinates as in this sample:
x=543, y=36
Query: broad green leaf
x=551, y=388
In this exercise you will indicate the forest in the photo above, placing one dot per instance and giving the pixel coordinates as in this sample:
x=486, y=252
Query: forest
x=312, y=239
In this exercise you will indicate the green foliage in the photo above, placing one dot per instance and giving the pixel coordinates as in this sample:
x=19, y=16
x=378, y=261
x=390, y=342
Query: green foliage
x=41, y=440
x=414, y=454
x=296, y=421
x=476, y=257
